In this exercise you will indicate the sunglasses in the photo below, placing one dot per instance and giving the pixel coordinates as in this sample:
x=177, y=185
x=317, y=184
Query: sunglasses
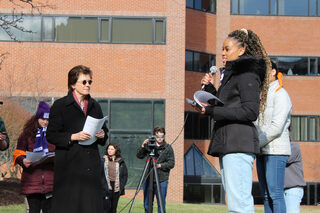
x=160, y=136
x=84, y=82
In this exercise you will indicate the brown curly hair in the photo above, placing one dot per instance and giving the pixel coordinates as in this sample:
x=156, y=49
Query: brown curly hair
x=31, y=126
x=253, y=47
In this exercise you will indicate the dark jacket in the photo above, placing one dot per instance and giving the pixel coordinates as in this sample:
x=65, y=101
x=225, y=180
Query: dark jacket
x=37, y=178
x=164, y=156
x=77, y=183
x=123, y=177
x=234, y=131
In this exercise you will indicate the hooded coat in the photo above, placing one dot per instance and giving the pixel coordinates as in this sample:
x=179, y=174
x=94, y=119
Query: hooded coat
x=234, y=131
x=77, y=182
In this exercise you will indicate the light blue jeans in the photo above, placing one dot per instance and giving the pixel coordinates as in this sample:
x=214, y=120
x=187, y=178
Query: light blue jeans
x=293, y=197
x=271, y=170
x=236, y=175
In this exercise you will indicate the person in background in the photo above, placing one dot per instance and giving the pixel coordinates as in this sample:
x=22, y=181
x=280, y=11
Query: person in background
x=37, y=178
x=294, y=180
x=77, y=176
x=274, y=143
x=234, y=137
x=165, y=162
x=4, y=139
x=115, y=177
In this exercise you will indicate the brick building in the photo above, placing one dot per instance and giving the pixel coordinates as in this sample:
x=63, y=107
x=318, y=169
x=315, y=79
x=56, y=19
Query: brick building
x=148, y=56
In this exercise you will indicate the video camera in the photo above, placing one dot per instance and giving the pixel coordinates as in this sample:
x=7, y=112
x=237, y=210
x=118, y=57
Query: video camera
x=152, y=143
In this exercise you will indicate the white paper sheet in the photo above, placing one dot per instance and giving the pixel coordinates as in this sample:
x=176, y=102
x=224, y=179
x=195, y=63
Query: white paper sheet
x=92, y=126
x=204, y=97
x=39, y=156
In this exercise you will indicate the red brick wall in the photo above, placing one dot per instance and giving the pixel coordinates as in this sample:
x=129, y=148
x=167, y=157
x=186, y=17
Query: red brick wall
x=119, y=70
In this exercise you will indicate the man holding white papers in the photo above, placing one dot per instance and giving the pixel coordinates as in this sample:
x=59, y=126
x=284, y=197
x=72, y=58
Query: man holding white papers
x=77, y=184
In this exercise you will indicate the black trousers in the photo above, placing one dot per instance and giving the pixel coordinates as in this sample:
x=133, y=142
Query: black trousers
x=111, y=205
x=38, y=202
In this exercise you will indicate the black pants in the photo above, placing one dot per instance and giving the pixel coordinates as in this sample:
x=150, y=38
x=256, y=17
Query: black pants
x=37, y=202
x=111, y=206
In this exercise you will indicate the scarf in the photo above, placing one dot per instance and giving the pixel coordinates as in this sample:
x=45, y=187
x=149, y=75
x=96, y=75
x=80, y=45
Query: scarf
x=279, y=76
x=85, y=101
x=106, y=166
x=41, y=144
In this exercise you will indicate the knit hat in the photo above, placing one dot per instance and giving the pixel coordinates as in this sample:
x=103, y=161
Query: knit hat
x=43, y=110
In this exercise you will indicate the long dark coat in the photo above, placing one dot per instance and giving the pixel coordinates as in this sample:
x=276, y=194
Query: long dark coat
x=77, y=184
x=234, y=131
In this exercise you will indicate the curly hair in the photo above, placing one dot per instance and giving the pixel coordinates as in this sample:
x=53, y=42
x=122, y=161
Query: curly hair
x=253, y=47
x=31, y=126
x=116, y=147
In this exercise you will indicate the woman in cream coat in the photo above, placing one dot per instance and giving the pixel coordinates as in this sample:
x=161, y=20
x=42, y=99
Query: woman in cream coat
x=274, y=144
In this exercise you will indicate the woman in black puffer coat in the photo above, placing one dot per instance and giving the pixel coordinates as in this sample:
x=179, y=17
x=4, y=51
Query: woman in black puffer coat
x=234, y=138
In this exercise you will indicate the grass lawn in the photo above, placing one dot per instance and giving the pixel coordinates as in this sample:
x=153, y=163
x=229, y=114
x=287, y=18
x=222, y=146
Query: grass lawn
x=171, y=208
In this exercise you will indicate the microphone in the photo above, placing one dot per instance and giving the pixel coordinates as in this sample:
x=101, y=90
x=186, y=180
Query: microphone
x=213, y=70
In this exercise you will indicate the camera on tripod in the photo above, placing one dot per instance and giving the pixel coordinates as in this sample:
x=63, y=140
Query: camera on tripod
x=152, y=142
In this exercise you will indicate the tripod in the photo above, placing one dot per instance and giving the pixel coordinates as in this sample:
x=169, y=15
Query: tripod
x=144, y=176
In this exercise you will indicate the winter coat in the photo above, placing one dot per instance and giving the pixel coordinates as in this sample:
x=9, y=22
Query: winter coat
x=123, y=176
x=234, y=131
x=38, y=177
x=77, y=182
x=3, y=129
x=164, y=155
x=273, y=129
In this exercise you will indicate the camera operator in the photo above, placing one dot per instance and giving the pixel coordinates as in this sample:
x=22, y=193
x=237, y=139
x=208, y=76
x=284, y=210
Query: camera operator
x=4, y=139
x=165, y=162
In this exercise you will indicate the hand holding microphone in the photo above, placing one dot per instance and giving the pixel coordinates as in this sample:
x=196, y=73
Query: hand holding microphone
x=208, y=77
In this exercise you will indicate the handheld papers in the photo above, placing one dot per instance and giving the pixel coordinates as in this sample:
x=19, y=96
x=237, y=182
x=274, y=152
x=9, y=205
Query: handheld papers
x=202, y=98
x=40, y=156
x=92, y=126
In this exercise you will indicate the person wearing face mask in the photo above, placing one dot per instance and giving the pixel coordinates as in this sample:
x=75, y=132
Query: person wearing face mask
x=274, y=143
x=243, y=91
x=37, y=178
x=77, y=177
x=165, y=162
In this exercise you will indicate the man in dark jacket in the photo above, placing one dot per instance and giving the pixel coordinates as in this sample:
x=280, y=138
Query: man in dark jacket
x=4, y=139
x=165, y=162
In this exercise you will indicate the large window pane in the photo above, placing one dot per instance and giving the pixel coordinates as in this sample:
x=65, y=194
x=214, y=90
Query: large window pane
x=129, y=143
x=159, y=31
x=293, y=7
x=304, y=128
x=295, y=128
x=131, y=115
x=104, y=30
x=159, y=113
x=48, y=29
x=293, y=65
x=196, y=61
x=234, y=6
x=312, y=129
x=28, y=28
x=204, y=62
x=189, y=3
x=253, y=7
x=76, y=29
x=313, y=8
x=273, y=7
x=197, y=4
x=313, y=66
x=132, y=31
x=189, y=60
x=209, y=6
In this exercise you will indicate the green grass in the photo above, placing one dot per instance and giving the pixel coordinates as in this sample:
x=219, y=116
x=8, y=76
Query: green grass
x=171, y=208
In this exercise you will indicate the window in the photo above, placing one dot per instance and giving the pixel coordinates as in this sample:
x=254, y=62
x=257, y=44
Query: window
x=202, y=180
x=275, y=7
x=197, y=126
x=131, y=30
x=305, y=128
x=297, y=65
x=202, y=5
x=199, y=62
x=130, y=122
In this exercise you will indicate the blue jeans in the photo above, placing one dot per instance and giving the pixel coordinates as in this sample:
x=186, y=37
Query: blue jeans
x=293, y=197
x=271, y=170
x=236, y=175
x=163, y=190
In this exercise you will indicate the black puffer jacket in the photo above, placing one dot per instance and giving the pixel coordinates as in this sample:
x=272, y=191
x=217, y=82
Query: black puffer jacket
x=234, y=131
x=165, y=157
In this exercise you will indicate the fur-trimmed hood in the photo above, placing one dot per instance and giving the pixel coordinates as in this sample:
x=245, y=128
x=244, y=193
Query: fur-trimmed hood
x=248, y=64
